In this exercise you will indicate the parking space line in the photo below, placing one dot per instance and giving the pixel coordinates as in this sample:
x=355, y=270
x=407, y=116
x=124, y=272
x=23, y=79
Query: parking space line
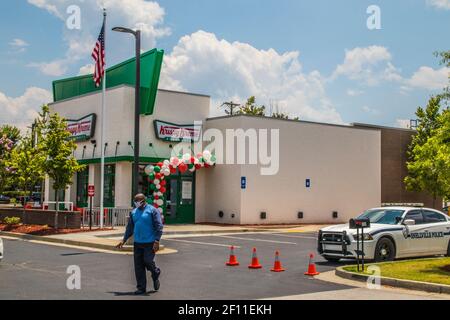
x=198, y=242
x=253, y=239
x=299, y=237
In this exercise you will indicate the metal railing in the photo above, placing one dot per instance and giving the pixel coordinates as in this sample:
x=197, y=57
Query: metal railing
x=113, y=217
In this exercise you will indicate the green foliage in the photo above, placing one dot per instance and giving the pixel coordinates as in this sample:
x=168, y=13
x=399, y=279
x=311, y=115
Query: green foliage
x=60, y=164
x=250, y=108
x=8, y=139
x=27, y=162
x=11, y=221
x=429, y=163
x=444, y=57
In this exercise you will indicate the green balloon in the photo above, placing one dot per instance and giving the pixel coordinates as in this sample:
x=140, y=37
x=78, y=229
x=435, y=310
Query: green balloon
x=152, y=187
x=157, y=169
x=151, y=176
x=190, y=166
x=213, y=158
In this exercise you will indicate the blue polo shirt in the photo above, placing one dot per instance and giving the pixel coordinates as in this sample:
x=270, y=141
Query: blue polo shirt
x=145, y=224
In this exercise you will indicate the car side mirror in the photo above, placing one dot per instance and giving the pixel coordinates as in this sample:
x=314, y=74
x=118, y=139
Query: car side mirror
x=409, y=222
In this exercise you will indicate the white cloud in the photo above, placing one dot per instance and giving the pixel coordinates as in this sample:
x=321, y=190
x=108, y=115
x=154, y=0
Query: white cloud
x=145, y=15
x=87, y=69
x=55, y=68
x=47, y=5
x=440, y=4
x=403, y=123
x=370, y=110
x=429, y=78
x=21, y=111
x=201, y=62
x=369, y=64
x=18, y=45
x=354, y=93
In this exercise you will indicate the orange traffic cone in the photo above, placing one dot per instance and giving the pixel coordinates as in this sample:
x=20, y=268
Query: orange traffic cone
x=277, y=265
x=255, y=262
x=311, y=267
x=233, y=260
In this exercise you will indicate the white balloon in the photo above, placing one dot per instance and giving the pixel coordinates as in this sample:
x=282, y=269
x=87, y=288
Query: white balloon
x=186, y=157
x=156, y=181
x=160, y=202
x=166, y=172
x=149, y=169
x=166, y=163
x=206, y=155
x=158, y=186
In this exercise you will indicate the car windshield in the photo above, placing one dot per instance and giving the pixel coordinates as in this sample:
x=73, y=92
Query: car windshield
x=383, y=216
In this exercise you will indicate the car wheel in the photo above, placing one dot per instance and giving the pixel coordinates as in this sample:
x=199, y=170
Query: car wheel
x=332, y=259
x=385, y=250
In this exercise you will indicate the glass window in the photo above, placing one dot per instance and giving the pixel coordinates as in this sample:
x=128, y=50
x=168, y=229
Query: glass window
x=433, y=217
x=82, y=186
x=415, y=215
x=109, y=188
x=382, y=216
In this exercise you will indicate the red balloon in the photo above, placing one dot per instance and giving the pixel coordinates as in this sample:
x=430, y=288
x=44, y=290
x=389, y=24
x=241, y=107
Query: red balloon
x=156, y=197
x=156, y=205
x=158, y=176
x=198, y=166
x=163, y=190
x=192, y=160
x=183, y=167
x=207, y=165
x=160, y=164
x=173, y=170
x=163, y=183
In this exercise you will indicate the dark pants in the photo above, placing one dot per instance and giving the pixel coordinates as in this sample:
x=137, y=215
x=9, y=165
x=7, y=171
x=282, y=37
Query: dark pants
x=144, y=259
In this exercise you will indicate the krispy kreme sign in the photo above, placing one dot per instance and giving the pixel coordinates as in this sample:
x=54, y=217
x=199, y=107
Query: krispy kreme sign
x=82, y=129
x=176, y=133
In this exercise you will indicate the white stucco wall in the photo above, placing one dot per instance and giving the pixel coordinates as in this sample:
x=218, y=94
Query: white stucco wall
x=343, y=163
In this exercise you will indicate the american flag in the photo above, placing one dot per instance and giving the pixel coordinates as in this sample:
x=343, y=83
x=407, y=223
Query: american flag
x=99, y=57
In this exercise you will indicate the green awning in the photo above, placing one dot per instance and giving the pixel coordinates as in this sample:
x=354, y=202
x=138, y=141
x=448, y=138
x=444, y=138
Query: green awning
x=123, y=73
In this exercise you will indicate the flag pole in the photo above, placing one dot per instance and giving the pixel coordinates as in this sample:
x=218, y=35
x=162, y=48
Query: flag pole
x=102, y=146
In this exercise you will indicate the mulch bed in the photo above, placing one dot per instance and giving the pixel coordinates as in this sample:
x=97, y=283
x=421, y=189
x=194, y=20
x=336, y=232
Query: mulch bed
x=446, y=268
x=37, y=230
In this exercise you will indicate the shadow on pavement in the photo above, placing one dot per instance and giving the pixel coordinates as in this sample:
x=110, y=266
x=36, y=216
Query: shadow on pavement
x=131, y=294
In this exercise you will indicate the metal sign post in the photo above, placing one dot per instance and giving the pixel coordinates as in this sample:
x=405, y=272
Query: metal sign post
x=91, y=194
x=359, y=224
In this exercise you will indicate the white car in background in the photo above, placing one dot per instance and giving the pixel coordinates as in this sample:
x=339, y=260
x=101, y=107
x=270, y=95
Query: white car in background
x=1, y=249
x=395, y=232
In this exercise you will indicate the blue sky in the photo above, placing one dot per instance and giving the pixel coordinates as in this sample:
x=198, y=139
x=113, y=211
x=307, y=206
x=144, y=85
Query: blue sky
x=313, y=59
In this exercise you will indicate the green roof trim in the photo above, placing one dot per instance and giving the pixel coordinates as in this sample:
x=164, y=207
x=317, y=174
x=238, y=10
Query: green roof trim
x=122, y=73
x=120, y=159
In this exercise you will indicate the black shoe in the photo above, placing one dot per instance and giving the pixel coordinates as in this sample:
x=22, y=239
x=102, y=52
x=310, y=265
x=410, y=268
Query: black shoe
x=156, y=284
x=140, y=292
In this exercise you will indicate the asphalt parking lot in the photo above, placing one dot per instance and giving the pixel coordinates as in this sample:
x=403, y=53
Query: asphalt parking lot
x=197, y=271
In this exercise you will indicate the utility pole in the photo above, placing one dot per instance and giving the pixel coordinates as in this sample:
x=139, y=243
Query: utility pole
x=230, y=107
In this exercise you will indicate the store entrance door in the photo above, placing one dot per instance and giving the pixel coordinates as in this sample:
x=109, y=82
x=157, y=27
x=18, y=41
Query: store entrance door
x=180, y=199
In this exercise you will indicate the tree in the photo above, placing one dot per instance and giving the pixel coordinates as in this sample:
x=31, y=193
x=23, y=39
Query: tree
x=250, y=108
x=27, y=163
x=60, y=164
x=9, y=136
x=444, y=57
x=425, y=170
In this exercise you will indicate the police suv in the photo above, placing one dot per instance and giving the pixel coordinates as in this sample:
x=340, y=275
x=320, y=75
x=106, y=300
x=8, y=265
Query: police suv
x=394, y=232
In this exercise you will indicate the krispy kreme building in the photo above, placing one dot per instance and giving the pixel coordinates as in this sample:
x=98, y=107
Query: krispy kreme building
x=268, y=171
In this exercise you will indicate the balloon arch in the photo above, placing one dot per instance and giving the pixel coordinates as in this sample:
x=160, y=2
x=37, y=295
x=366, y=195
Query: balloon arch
x=157, y=174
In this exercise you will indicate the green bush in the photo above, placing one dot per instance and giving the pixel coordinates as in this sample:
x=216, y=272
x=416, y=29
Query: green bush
x=12, y=220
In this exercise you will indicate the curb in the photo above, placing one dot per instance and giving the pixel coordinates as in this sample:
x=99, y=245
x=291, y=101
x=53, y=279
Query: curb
x=69, y=242
x=172, y=233
x=398, y=283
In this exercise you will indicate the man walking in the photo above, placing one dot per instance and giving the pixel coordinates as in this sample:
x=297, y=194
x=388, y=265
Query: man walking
x=146, y=226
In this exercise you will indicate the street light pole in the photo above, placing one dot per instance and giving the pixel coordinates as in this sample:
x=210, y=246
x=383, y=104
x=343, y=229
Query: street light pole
x=137, y=103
